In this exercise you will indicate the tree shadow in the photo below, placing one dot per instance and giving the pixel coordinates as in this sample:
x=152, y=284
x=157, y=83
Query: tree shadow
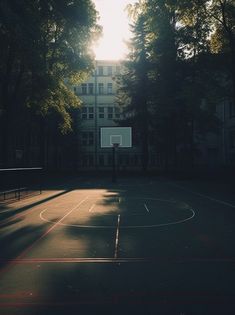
x=59, y=287
x=13, y=243
x=6, y=215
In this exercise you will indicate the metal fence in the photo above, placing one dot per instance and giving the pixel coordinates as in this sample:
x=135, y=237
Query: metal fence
x=17, y=183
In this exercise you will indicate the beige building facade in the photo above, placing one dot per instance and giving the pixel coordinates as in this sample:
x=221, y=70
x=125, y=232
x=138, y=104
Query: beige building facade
x=100, y=109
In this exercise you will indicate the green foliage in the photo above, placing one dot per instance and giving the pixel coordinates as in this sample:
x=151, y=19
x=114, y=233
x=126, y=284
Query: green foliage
x=44, y=42
x=135, y=86
x=171, y=70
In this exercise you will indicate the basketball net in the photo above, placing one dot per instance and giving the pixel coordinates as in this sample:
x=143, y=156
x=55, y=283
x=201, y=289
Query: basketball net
x=115, y=145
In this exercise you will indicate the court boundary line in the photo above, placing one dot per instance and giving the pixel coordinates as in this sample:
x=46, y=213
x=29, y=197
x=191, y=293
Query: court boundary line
x=57, y=223
x=91, y=208
x=32, y=206
x=117, y=237
x=122, y=227
x=117, y=260
x=204, y=196
x=146, y=208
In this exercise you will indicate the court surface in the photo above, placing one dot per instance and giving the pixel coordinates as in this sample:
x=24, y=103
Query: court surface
x=140, y=246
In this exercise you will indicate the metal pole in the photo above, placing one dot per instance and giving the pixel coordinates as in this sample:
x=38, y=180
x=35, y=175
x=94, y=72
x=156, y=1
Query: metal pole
x=95, y=110
x=114, y=177
x=19, y=184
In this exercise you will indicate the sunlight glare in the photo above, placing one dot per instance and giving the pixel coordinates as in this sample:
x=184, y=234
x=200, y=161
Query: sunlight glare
x=115, y=23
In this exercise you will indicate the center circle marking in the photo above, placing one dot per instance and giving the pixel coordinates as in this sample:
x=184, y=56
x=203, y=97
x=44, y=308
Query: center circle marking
x=190, y=217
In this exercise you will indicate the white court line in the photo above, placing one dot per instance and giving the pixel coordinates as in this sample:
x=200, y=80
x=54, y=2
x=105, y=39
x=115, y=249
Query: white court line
x=60, y=221
x=91, y=208
x=127, y=226
x=146, y=207
x=55, y=224
x=205, y=196
x=117, y=238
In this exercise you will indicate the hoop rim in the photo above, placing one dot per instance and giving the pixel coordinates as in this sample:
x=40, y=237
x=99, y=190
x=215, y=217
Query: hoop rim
x=116, y=145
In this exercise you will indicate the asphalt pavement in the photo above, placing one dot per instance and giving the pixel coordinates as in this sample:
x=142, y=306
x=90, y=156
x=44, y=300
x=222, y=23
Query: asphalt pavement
x=138, y=246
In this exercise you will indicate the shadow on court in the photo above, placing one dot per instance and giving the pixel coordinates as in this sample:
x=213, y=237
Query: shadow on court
x=129, y=248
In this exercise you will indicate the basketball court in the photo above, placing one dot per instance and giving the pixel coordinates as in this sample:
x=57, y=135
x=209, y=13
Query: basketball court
x=139, y=245
x=135, y=245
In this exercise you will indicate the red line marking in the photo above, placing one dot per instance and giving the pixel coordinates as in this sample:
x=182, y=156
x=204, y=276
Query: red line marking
x=215, y=300
x=24, y=252
x=49, y=230
x=116, y=260
x=16, y=216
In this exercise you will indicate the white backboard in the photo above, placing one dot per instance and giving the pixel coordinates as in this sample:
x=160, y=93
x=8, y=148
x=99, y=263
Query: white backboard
x=109, y=136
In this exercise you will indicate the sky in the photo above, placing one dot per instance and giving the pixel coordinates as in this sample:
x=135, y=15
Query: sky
x=115, y=23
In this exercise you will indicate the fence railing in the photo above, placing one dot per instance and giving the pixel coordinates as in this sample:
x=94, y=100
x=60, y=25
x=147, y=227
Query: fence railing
x=16, y=183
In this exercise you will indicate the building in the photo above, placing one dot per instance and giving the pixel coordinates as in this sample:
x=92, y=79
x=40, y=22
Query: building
x=99, y=109
x=218, y=148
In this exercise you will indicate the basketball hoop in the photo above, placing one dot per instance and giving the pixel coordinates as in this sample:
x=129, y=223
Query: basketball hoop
x=115, y=145
x=110, y=136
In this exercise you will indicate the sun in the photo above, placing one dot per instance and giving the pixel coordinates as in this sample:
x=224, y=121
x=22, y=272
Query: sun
x=115, y=23
x=107, y=49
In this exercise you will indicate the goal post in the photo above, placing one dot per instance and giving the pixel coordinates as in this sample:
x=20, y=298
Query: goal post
x=115, y=137
x=120, y=135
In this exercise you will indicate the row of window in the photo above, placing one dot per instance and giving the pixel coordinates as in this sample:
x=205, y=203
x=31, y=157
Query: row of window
x=108, y=70
x=88, y=138
x=89, y=89
x=109, y=112
x=123, y=160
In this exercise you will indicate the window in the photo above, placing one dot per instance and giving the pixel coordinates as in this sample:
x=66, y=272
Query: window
x=136, y=159
x=110, y=159
x=87, y=138
x=232, y=139
x=127, y=159
x=101, y=88
x=87, y=160
x=232, y=109
x=117, y=112
x=74, y=89
x=124, y=159
x=84, y=112
x=84, y=89
x=101, y=160
x=136, y=139
x=84, y=160
x=110, y=88
x=90, y=160
x=110, y=112
x=87, y=112
x=118, y=70
x=101, y=112
x=110, y=70
x=90, y=112
x=100, y=70
x=90, y=88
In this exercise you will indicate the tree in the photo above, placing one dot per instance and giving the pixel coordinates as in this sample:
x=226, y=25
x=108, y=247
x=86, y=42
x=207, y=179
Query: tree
x=222, y=14
x=176, y=46
x=44, y=42
x=133, y=94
